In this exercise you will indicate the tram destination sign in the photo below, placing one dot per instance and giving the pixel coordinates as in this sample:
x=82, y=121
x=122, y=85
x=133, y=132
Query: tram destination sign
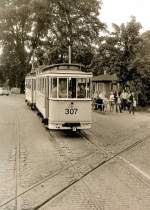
x=71, y=111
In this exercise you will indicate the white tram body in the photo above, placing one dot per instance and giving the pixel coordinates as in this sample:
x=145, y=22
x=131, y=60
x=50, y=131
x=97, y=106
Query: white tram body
x=30, y=89
x=63, y=96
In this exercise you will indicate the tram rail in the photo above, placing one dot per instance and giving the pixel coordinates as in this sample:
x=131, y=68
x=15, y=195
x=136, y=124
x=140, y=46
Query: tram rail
x=110, y=156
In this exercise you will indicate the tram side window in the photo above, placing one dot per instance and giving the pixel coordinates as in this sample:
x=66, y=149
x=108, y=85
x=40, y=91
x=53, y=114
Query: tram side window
x=72, y=88
x=43, y=85
x=26, y=84
x=38, y=84
x=50, y=87
x=54, y=88
x=81, y=88
x=88, y=88
x=34, y=84
x=29, y=84
x=62, y=92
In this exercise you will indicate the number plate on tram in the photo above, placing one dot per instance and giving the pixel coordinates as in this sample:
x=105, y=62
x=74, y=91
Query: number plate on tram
x=72, y=111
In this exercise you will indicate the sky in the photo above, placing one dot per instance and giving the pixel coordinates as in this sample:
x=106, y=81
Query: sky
x=120, y=11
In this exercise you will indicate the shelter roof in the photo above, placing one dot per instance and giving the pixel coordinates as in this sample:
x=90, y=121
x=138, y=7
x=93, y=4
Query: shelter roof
x=105, y=78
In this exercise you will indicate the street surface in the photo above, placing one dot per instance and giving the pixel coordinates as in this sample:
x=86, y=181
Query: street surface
x=104, y=168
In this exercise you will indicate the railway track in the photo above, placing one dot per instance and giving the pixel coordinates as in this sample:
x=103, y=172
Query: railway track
x=64, y=153
x=17, y=160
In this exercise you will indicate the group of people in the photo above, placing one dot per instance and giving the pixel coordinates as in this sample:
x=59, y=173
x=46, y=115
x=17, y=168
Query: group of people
x=117, y=101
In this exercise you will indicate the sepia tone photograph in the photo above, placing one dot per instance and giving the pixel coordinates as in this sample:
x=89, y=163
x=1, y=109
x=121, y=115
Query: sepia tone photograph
x=74, y=105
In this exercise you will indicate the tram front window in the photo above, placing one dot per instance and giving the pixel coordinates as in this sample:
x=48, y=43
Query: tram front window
x=81, y=88
x=54, y=88
x=72, y=88
x=62, y=93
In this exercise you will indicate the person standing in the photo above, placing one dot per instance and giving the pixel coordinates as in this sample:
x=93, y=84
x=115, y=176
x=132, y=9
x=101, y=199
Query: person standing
x=130, y=102
x=118, y=104
x=99, y=103
x=115, y=101
x=129, y=99
x=105, y=103
x=111, y=102
x=134, y=105
x=124, y=96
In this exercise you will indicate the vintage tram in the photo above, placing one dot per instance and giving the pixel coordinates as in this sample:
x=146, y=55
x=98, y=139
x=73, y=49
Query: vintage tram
x=62, y=94
x=30, y=89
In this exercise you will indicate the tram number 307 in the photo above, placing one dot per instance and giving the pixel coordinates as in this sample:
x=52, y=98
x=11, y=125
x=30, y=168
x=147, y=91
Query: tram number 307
x=71, y=111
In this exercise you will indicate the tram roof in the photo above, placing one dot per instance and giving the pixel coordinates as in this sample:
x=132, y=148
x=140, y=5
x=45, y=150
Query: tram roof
x=31, y=74
x=63, y=68
x=67, y=74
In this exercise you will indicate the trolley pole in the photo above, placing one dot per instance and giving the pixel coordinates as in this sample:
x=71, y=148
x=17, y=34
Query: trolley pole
x=69, y=54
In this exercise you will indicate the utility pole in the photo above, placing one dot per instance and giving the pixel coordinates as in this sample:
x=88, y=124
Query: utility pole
x=69, y=54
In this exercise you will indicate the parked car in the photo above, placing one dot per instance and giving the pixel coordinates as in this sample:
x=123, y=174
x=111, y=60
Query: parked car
x=1, y=91
x=4, y=91
x=15, y=90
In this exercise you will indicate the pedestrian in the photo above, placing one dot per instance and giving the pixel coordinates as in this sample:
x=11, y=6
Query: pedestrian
x=99, y=103
x=124, y=97
x=105, y=103
x=130, y=102
x=115, y=101
x=118, y=104
x=134, y=105
x=111, y=102
x=95, y=96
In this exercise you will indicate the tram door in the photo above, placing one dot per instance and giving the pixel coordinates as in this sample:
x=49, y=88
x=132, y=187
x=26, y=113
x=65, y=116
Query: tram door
x=33, y=90
x=47, y=97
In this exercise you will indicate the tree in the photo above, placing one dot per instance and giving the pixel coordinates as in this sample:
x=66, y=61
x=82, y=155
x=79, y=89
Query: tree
x=44, y=30
x=126, y=52
x=14, y=26
x=121, y=49
x=70, y=23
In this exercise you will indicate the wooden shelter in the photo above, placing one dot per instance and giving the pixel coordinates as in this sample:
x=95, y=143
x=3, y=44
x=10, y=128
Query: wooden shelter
x=104, y=84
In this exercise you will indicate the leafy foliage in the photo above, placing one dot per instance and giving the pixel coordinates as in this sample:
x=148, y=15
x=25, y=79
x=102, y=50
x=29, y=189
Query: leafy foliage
x=43, y=30
x=126, y=52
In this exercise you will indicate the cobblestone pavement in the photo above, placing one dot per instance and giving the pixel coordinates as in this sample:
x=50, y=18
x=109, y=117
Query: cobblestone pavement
x=106, y=167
